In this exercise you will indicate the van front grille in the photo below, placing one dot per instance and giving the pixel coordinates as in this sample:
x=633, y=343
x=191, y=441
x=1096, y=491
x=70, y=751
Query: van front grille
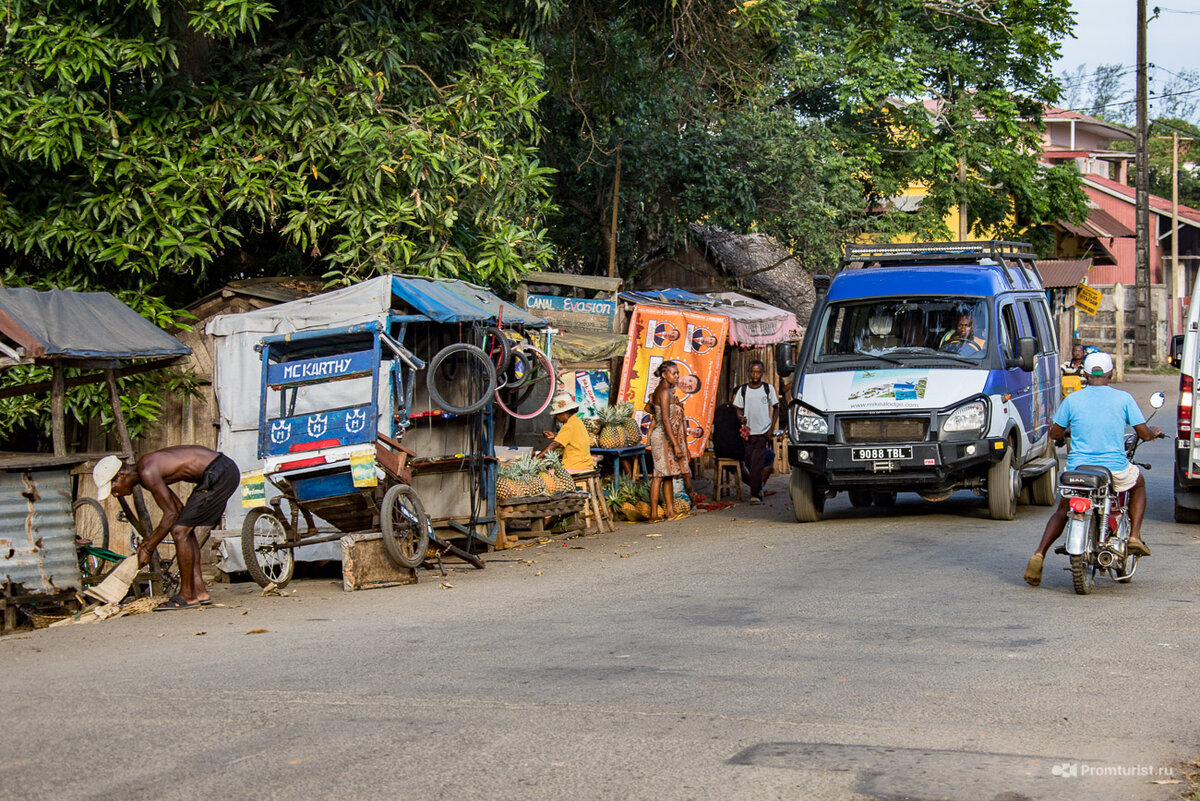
x=885, y=429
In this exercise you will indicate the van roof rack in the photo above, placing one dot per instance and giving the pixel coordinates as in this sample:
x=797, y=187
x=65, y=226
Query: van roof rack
x=1006, y=254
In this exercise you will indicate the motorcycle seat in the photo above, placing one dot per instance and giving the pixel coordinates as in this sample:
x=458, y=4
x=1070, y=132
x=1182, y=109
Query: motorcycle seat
x=1087, y=476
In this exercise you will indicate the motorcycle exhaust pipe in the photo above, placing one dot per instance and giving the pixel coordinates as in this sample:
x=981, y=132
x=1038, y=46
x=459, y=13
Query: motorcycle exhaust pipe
x=1105, y=558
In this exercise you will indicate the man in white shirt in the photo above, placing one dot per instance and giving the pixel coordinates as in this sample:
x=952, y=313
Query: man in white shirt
x=757, y=404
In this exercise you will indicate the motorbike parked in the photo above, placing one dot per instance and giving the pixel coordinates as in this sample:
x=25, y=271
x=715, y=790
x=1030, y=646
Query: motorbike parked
x=1098, y=524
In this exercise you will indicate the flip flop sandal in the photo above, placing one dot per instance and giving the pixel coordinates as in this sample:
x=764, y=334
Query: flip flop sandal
x=176, y=602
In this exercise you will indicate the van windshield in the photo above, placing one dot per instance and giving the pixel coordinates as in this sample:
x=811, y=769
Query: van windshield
x=900, y=330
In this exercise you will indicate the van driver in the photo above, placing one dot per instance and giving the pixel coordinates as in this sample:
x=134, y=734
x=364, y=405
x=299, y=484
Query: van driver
x=961, y=339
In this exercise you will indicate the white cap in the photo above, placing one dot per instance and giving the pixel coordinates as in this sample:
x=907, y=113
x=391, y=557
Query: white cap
x=563, y=402
x=1098, y=363
x=103, y=473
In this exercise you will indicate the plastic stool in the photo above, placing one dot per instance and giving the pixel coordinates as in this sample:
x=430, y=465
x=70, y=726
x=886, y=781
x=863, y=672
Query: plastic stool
x=722, y=480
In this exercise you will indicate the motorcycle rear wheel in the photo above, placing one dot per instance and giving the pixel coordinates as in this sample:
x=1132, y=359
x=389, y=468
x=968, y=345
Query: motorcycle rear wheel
x=1083, y=575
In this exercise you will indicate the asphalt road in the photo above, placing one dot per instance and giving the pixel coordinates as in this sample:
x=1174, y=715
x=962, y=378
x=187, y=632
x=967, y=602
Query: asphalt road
x=732, y=655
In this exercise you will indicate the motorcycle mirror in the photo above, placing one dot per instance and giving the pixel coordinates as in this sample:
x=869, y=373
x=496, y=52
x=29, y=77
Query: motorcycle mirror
x=1157, y=400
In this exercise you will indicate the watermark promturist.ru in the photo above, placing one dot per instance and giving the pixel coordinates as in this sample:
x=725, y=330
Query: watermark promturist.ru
x=1069, y=770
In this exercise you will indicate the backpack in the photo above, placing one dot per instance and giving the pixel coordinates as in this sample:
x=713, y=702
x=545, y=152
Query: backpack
x=726, y=433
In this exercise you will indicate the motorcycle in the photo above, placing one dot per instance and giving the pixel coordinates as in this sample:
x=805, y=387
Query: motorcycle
x=1098, y=524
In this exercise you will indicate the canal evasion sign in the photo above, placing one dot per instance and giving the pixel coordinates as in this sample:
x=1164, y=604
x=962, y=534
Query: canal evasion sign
x=594, y=314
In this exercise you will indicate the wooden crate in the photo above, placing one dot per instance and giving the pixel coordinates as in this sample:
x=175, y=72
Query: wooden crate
x=366, y=564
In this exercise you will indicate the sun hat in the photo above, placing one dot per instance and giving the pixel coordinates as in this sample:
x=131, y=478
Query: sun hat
x=563, y=402
x=1097, y=363
x=103, y=473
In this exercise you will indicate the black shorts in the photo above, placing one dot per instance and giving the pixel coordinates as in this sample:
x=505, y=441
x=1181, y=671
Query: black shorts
x=206, y=504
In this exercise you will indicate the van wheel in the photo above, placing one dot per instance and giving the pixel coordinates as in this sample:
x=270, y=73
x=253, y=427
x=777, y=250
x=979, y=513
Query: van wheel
x=860, y=498
x=806, y=504
x=1003, y=487
x=1045, y=486
x=1185, y=515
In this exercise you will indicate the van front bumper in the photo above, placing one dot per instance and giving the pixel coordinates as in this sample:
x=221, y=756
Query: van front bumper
x=915, y=464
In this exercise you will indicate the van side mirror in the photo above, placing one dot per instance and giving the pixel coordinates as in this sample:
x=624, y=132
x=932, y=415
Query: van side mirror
x=1026, y=348
x=784, y=365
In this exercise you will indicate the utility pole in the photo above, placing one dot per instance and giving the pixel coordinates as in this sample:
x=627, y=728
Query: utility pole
x=1142, y=310
x=1174, y=225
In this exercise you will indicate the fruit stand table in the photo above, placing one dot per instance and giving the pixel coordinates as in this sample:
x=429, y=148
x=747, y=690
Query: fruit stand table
x=637, y=452
x=535, y=509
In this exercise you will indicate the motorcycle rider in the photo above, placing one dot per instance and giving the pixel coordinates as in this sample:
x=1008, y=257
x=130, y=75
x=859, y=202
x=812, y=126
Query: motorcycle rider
x=1097, y=416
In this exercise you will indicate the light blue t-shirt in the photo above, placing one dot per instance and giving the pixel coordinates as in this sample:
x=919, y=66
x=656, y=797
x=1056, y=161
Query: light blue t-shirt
x=1097, y=418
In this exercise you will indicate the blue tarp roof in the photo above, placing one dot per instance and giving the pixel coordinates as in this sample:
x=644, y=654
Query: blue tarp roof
x=453, y=301
x=65, y=324
x=667, y=296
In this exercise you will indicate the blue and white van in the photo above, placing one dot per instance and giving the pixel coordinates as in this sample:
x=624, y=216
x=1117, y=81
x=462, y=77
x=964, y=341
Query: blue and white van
x=926, y=368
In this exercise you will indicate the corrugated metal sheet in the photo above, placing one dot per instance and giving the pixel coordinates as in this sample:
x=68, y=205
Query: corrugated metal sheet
x=37, y=531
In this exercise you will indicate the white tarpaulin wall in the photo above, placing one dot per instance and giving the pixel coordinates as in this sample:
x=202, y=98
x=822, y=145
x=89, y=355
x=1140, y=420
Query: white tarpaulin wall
x=237, y=377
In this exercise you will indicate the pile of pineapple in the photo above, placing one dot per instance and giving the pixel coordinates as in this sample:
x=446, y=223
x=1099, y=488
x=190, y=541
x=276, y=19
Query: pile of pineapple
x=531, y=476
x=632, y=501
x=614, y=427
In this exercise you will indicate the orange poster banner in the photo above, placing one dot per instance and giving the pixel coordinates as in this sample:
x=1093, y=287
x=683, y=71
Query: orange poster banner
x=696, y=342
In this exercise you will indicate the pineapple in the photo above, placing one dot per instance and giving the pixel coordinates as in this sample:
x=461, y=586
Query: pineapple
x=553, y=475
x=632, y=433
x=507, y=483
x=528, y=469
x=611, y=435
x=556, y=475
x=592, y=424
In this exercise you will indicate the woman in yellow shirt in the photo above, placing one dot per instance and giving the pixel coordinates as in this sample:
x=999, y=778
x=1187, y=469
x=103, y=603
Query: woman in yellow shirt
x=572, y=436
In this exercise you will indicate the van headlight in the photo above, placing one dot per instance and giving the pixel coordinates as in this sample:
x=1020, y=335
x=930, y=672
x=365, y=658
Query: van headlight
x=968, y=417
x=806, y=421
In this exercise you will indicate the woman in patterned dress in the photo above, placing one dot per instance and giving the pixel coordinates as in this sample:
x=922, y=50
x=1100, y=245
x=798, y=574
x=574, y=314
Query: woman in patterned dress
x=667, y=443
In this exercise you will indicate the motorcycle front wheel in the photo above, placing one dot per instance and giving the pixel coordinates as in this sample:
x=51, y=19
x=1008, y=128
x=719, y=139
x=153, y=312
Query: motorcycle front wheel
x=1083, y=574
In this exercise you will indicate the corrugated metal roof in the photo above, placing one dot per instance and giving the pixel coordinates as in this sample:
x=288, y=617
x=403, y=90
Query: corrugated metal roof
x=37, y=532
x=64, y=324
x=1062, y=273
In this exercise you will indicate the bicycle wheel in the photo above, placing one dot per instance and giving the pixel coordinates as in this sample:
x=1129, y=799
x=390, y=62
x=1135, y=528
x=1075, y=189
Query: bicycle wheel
x=445, y=373
x=91, y=523
x=539, y=384
x=263, y=529
x=405, y=526
x=498, y=348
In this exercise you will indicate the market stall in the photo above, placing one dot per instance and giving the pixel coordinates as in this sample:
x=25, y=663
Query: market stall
x=713, y=336
x=453, y=465
x=101, y=339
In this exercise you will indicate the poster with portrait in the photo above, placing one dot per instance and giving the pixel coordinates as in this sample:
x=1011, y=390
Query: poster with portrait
x=696, y=343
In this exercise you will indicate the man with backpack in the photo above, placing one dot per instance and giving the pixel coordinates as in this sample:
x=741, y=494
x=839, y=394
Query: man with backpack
x=757, y=404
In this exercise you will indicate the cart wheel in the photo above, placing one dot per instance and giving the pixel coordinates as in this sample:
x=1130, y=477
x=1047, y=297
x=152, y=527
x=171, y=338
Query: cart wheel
x=405, y=526
x=263, y=528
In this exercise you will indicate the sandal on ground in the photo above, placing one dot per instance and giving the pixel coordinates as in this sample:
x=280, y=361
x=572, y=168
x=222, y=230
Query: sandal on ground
x=176, y=602
x=1138, y=548
x=1033, y=571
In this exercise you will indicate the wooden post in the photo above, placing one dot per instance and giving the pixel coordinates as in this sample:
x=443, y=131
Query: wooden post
x=612, y=244
x=139, y=503
x=58, y=424
x=1119, y=318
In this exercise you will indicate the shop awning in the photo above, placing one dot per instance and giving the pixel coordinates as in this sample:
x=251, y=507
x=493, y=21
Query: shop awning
x=752, y=323
x=65, y=325
x=453, y=301
x=588, y=346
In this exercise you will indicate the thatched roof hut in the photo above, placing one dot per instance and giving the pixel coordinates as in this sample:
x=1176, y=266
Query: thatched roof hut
x=717, y=259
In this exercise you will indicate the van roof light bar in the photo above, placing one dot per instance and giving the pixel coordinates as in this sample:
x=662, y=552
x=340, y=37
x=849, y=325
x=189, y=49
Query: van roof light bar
x=1018, y=256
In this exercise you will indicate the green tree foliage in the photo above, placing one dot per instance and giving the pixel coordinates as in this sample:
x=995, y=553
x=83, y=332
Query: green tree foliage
x=159, y=149
x=801, y=118
x=143, y=140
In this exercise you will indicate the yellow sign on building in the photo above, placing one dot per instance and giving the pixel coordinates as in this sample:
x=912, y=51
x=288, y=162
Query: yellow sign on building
x=1087, y=298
